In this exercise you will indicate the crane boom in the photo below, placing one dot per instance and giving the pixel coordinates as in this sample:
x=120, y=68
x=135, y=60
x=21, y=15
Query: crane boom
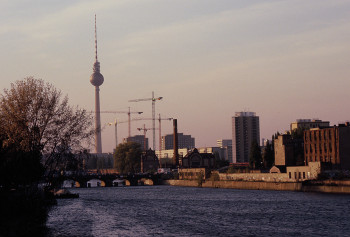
x=153, y=99
x=116, y=112
x=122, y=112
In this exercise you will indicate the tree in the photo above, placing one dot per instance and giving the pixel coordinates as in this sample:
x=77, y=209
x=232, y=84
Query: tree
x=36, y=121
x=298, y=133
x=268, y=155
x=220, y=162
x=127, y=158
x=255, y=158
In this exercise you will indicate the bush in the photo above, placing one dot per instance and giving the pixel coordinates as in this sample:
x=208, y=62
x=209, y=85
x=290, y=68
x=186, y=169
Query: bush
x=200, y=179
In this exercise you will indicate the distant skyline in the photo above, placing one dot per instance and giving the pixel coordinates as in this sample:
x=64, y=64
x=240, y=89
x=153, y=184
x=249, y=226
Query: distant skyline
x=284, y=60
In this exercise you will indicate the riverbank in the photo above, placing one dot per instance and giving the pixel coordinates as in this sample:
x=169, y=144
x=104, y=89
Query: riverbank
x=310, y=186
x=24, y=211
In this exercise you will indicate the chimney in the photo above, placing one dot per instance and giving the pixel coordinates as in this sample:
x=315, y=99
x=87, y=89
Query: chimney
x=176, y=145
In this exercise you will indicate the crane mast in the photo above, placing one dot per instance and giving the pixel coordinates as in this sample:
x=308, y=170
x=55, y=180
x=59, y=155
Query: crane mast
x=153, y=99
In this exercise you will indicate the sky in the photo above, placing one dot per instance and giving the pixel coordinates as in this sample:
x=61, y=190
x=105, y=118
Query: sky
x=284, y=60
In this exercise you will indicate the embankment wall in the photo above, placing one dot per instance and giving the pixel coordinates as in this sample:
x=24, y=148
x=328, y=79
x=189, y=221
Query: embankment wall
x=256, y=185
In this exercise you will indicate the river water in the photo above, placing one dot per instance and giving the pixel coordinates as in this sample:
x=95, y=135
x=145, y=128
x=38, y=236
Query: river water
x=187, y=211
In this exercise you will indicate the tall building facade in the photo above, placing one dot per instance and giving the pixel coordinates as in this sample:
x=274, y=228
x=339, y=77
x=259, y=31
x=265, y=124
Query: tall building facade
x=185, y=141
x=245, y=130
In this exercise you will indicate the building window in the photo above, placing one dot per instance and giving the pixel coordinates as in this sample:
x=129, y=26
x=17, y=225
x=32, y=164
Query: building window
x=299, y=175
x=295, y=175
x=290, y=175
x=303, y=175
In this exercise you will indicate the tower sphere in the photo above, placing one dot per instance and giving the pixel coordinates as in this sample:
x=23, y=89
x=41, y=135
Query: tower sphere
x=96, y=78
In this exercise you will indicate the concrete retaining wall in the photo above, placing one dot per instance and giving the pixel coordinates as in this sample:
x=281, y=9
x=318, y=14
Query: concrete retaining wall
x=278, y=186
x=265, y=177
x=238, y=185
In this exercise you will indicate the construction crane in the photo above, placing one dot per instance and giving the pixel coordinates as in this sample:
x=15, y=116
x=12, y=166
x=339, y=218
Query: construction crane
x=160, y=131
x=159, y=127
x=123, y=112
x=115, y=123
x=144, y=129
x=153, y=99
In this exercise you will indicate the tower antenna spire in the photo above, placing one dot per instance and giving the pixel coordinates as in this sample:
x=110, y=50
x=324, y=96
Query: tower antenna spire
x=95, y=40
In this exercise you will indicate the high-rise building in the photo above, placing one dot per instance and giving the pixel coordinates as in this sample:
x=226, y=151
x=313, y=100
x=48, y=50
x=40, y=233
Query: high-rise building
x=226, y=146
x=96, y=80
x=245, y=130
x=224, y=142
x=185, y=141
x=140, y=139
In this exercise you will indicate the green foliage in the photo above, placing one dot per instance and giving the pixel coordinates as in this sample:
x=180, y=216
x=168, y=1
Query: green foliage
x=255, y=159
x=127, y=158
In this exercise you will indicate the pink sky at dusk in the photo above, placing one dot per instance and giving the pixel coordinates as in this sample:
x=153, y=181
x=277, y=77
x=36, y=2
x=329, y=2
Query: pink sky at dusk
x=284, y=60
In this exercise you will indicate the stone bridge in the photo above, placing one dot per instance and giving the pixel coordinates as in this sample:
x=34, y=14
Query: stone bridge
x=107, y=180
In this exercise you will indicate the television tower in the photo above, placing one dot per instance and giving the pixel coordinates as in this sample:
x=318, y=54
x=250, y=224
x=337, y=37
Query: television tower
x=96, y=80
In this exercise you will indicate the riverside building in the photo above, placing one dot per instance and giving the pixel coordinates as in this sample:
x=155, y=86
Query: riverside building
x=329, y=146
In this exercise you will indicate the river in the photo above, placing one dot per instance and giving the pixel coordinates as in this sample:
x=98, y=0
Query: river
x=187, y=211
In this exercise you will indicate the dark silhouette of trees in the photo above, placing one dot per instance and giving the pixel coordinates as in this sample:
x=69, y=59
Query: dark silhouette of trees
x=39, y=132
x=268, y=155
x=37, y=126
x=127, y=158
x=220, y=162
x=255, y=159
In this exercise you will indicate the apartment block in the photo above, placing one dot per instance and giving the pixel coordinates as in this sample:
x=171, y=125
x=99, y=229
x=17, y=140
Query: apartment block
x=245, y=130
x=329, y=146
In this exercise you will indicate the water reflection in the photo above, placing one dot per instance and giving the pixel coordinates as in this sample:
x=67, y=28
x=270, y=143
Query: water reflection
x=183, y=211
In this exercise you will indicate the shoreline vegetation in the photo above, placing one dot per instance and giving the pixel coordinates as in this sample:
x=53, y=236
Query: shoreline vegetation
x=40, y=136
x=24, y=211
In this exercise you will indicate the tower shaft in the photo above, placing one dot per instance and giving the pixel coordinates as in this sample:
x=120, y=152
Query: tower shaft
x=98, y=139
x=96, y=80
